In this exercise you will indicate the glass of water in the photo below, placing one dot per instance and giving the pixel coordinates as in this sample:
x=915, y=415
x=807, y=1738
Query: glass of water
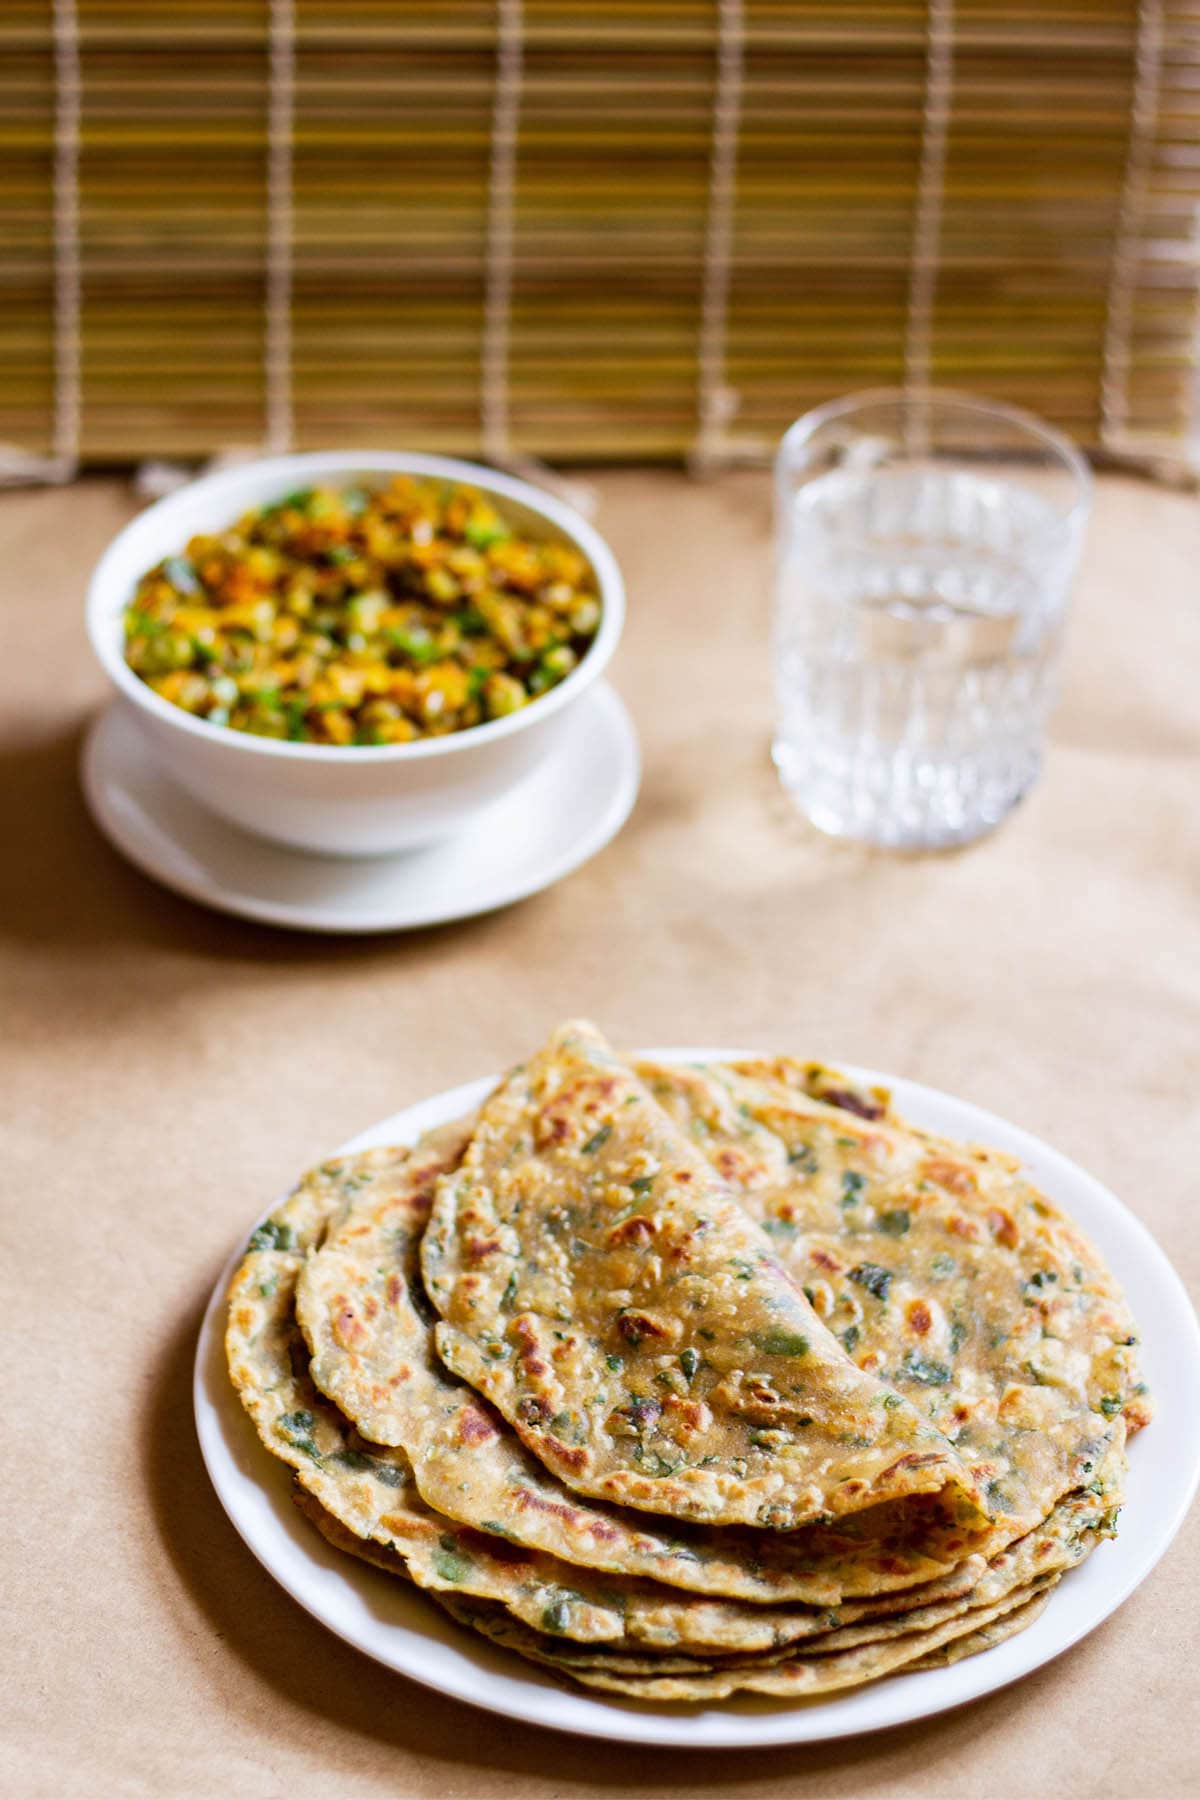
x=926, y=546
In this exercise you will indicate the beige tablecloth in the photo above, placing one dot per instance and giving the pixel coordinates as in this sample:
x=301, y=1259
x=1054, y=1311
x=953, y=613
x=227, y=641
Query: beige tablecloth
x=165, y=1071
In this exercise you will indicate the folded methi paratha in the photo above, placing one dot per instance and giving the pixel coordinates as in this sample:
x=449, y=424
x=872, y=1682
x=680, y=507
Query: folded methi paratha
x=382, y=1230
x=997, y=1201
x=795, y=1677
x=602, y=1287
x=502, y=1626
x=360, y=1304
x=1066, y=1539
x=401, y=1461
x=578, y=1662
x=972, y=1643
x=542, y=1647
x=1075, y=1528
x=941, y=1270
x=1028, y=1569
x=370, y=1490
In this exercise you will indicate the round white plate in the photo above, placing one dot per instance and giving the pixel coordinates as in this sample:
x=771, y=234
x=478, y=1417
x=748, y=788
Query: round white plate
x=559, y=816
x=396, y=1625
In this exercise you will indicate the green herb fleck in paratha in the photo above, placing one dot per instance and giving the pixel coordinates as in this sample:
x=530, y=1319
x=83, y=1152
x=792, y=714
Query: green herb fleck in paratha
x=557, y=1616
x=926, y=1369
x=297, y=1428
x=450, y=1561
x=272, y=1234
x=852, y=1187
x=875, y=1279
x=782, y=1343
x=353, y=1459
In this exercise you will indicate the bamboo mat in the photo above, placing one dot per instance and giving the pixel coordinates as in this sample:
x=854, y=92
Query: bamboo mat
x=582, y=230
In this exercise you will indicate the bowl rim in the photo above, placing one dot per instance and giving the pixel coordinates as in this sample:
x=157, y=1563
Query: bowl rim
x=102, y=603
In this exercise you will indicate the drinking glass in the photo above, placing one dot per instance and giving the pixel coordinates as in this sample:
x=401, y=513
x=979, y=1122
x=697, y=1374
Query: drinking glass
x=926, y=546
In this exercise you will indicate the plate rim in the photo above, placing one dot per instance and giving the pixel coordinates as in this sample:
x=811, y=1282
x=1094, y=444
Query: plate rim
x=745, y=1723
x=601, y=699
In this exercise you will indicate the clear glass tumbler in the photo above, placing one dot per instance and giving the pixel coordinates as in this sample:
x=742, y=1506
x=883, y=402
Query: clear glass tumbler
x=926, y=546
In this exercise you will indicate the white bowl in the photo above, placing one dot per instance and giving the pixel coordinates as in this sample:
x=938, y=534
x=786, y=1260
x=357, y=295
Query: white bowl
x=364, y=800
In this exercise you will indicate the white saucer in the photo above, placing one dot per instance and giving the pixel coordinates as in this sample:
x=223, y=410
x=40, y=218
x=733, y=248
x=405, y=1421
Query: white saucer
x=562, y=814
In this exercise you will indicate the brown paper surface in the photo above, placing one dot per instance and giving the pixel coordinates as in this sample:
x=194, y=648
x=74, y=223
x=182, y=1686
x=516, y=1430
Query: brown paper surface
x=165, y=1071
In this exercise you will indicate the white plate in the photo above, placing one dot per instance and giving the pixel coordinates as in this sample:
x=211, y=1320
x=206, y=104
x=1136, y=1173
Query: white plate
x=394, y=1624
x=563, y=813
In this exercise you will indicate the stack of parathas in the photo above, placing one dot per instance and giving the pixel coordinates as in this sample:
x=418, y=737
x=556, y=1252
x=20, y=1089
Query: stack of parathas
x=686, y=1381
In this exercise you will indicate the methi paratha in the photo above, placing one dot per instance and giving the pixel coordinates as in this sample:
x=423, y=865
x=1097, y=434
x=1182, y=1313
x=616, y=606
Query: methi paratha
x=560, y=1653
x=1066, y=1539
x=973, y=1643
x=499, y=1623
x=605, y=1291
x=795, y=1678
x=787, y=1143
x=360, y=1303
x=941, y=1270
x=539, y=1646
x=370, y=1490
x=377, y=1236
x=1007, y=1615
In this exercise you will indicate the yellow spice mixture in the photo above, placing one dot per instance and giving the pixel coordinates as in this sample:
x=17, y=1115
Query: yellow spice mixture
x=362, y=616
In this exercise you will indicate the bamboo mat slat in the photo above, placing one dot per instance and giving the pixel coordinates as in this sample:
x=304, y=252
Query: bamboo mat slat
x=648, y=229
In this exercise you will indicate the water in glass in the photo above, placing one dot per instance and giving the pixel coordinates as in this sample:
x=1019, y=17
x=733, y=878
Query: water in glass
x=918, y=617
